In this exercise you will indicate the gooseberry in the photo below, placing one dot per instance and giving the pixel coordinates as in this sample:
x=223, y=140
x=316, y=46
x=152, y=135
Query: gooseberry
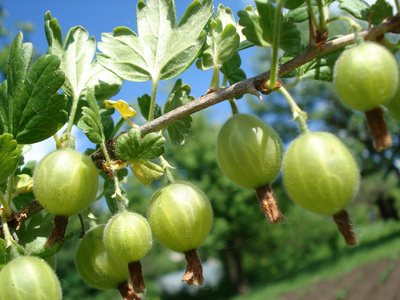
x=96, y=266
x=127, y=236
x=366, y=76
x=65, y=182
x=249, y=153
x=180, y=217
x=29, y=277
x=320, y=174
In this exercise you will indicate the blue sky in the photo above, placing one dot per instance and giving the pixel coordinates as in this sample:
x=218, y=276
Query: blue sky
x=103, y=16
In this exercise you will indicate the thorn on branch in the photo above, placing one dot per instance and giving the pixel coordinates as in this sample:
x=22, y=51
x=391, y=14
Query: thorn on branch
x=262, y=87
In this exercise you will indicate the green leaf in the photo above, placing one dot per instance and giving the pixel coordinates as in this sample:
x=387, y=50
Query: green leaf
x=357, y=8
x=144, y=106
x=90, y=122
x=3, y=108
x=8, y=156
x=76, y=54
x=5, y=252
x=53, y=35
x=300, y=14
x=32, y=110
x=178, y=96
x=231, y=69
x=147, y=171
x=107, y=121
x=23, y=183
x=320, y=68
x=292, y=4
x=380, y=11
x=163, y=49
x=131, y=147
x=259, y=28
x=33, y=236
x=222, y=40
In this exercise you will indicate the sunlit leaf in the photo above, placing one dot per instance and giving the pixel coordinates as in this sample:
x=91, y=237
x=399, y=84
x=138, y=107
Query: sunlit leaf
x=90, y=122
x=380, y=11
x=131, y=147
x=144, y=106
x=8, y=156
x=76, y=53
x=357, y=8
x=147, y=171
x=259, y=26
x=222, y=40
x=31, y=108
x=163, y=48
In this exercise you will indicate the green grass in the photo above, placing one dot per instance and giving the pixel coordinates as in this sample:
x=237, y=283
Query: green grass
x=377, y=241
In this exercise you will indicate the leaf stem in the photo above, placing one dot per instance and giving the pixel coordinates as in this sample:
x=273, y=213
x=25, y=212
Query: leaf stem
x=72, y=114
x=6, y=230
x=6, y=207
x=166, y=166
x=234, y=107
x=275, y=46
x=311, y=14
x=214, y=86
x=10, y=242
x=153, y=100
x=9, y=192
x=354, y=26
x=57, y=140
x=121, y=201
x=106, y=156
x=322, y=21
x=299, y=115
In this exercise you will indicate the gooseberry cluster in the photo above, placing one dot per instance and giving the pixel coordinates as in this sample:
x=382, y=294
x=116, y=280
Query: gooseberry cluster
x=319, y=171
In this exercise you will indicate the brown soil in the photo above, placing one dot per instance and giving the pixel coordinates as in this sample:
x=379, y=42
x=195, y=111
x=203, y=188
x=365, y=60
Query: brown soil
x=376, y=281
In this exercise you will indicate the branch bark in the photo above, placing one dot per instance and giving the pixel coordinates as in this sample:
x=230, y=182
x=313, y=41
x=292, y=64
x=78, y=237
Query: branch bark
x=253, y=85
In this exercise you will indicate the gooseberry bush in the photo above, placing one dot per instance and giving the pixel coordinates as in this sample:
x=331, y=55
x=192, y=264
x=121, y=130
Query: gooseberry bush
x=71, y=86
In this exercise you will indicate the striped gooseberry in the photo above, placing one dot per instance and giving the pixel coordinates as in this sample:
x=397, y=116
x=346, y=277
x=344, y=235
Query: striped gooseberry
x=366, y=76
x=320, y=174
x=127, y=236
x=249, y=152
x=180, y=217
x=29, y=277
x=65, y=182
x=96, y=266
